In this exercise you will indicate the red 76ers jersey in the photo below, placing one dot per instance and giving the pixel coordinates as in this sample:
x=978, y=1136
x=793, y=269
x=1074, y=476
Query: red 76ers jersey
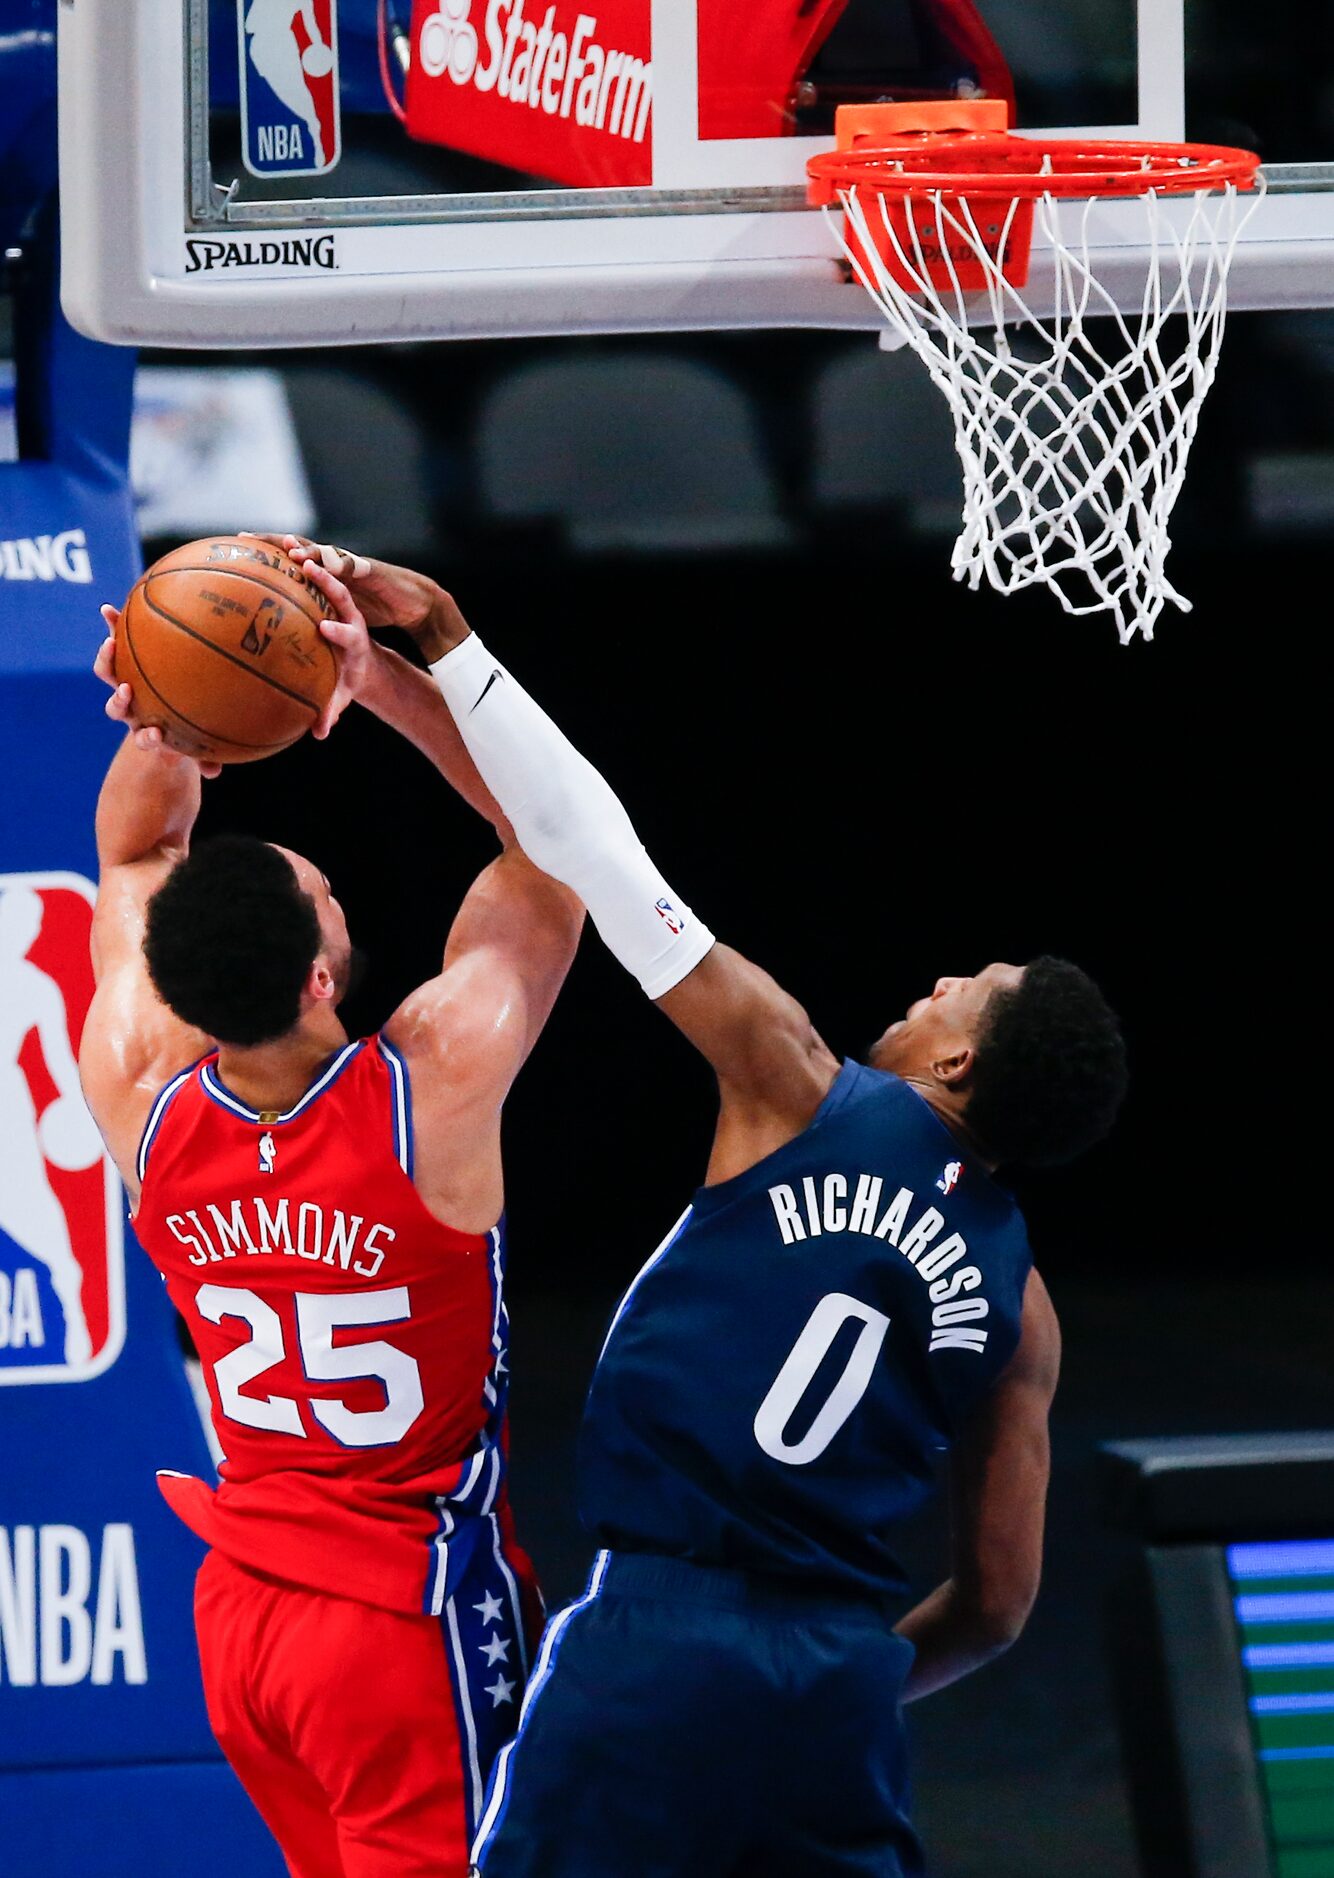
x=353, y=1346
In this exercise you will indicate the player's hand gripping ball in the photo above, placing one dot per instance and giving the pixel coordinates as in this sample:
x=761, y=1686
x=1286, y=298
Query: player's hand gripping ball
x=220, y=644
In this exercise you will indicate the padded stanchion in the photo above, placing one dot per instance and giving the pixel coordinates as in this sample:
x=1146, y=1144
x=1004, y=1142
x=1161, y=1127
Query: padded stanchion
x=107, y=1762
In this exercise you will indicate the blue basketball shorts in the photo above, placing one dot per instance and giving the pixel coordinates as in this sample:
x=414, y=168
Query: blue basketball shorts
x=686, y=1722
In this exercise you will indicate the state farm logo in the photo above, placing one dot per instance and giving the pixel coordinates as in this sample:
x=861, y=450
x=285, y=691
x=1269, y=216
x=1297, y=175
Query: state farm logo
x=449, y=42
x=62, y=1275
x=563, y=74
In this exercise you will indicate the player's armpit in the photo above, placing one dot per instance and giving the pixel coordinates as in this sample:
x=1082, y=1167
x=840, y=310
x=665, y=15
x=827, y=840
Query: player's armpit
x=768, y=1057
x=131, y=1043
x=131, y=1046
x=998, y=1493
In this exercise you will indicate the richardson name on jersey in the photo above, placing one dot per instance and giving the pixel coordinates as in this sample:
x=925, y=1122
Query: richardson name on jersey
x=257, y=1228
x=202, y=256
x=563, y=74
x=70, y=1610
x=836, y=1203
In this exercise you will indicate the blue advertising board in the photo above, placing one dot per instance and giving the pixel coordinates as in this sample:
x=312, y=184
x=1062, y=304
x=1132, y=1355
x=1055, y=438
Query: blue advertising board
x=107, y=1763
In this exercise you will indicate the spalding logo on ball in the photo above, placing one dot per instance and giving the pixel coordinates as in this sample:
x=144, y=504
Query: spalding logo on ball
x=220, y=643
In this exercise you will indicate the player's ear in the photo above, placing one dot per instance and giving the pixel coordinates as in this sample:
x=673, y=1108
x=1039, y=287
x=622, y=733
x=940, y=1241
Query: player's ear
x=320, y=983
x=954, y=1069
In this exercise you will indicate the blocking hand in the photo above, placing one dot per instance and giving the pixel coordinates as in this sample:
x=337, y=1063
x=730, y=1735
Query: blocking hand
x=387, y=595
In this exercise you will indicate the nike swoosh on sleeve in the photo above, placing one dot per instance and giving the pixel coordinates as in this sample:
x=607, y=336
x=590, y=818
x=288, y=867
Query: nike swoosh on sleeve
x=490, y=681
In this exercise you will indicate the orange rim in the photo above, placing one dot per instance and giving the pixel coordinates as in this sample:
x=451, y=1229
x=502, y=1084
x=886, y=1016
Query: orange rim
x=1023, y=167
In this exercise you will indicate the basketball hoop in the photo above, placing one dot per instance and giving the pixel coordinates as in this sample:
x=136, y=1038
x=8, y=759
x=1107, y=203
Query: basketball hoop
x=1073, y=452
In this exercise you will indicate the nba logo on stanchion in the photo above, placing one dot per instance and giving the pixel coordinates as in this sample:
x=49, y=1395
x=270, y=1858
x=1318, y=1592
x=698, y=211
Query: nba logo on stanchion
x=289, y=86
x=62, y=1275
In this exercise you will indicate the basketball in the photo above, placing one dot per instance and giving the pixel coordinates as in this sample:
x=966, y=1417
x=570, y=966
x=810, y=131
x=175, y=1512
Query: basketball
x=220, y=643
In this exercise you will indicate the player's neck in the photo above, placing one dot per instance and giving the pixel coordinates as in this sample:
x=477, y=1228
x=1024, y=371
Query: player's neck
x=275, y=1076
x=951, y=1112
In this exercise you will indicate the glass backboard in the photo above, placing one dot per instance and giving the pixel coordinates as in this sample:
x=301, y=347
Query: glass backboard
x=270, y=172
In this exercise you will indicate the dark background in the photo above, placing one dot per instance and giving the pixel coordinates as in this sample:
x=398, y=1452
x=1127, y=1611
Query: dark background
x=864, y=776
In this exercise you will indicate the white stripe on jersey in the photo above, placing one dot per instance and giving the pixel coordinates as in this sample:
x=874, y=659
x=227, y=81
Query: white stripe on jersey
x=516, y=1604
x=465, y=1700
x=154, y=1121
x=398, y=1077
x=441, y=1545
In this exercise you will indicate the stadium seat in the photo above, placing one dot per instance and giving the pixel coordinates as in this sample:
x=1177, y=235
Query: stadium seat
x=627, y=450
x=882, y=439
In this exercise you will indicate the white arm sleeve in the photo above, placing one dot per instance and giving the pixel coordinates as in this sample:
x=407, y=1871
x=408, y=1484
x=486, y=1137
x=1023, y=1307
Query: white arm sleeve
x=569, y=822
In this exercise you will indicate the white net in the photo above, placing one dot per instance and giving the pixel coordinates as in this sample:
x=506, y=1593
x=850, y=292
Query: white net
x=1073, y=430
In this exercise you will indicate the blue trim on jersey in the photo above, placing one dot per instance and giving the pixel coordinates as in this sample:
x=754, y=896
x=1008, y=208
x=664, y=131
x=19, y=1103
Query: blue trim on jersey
x=643, y=1273
x=402, y=1105
x=475, y=1497
x=214, y=1087
x=474, y=1792
x=512, y=1584
x=157, y=1115
x=494, y=1386
x=482, y=1634
x=479, y=1488
x=498, y=1799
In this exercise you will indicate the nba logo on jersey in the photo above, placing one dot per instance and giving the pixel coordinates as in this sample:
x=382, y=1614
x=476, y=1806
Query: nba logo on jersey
x=62, y=1287
x=289, y=86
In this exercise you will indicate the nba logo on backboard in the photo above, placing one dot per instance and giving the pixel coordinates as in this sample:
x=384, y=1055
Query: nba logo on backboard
x=289, y=86
x=62, y=1279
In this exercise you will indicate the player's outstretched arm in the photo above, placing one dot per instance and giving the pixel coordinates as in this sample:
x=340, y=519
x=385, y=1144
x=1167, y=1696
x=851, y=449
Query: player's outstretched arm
x=131, y=1042
x=372, y=593
x=467, y=1032
x=772, y=1068
x=998, y=1497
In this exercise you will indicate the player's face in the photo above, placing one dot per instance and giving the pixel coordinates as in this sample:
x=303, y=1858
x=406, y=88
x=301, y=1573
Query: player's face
x=336, y=944
x=938, y=1026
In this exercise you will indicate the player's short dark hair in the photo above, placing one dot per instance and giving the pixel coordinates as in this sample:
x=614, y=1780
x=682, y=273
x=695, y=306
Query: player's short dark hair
x=230, y=938
x=1050, y=1073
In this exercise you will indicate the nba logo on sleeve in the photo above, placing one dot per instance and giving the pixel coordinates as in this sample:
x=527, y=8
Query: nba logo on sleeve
x=62, y=1278
x=289, y=86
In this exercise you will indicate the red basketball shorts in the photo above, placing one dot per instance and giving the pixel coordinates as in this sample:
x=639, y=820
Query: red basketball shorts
x=364, y=1736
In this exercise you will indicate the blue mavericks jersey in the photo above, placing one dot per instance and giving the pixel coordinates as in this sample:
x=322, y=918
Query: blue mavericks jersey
x=780, y=1376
